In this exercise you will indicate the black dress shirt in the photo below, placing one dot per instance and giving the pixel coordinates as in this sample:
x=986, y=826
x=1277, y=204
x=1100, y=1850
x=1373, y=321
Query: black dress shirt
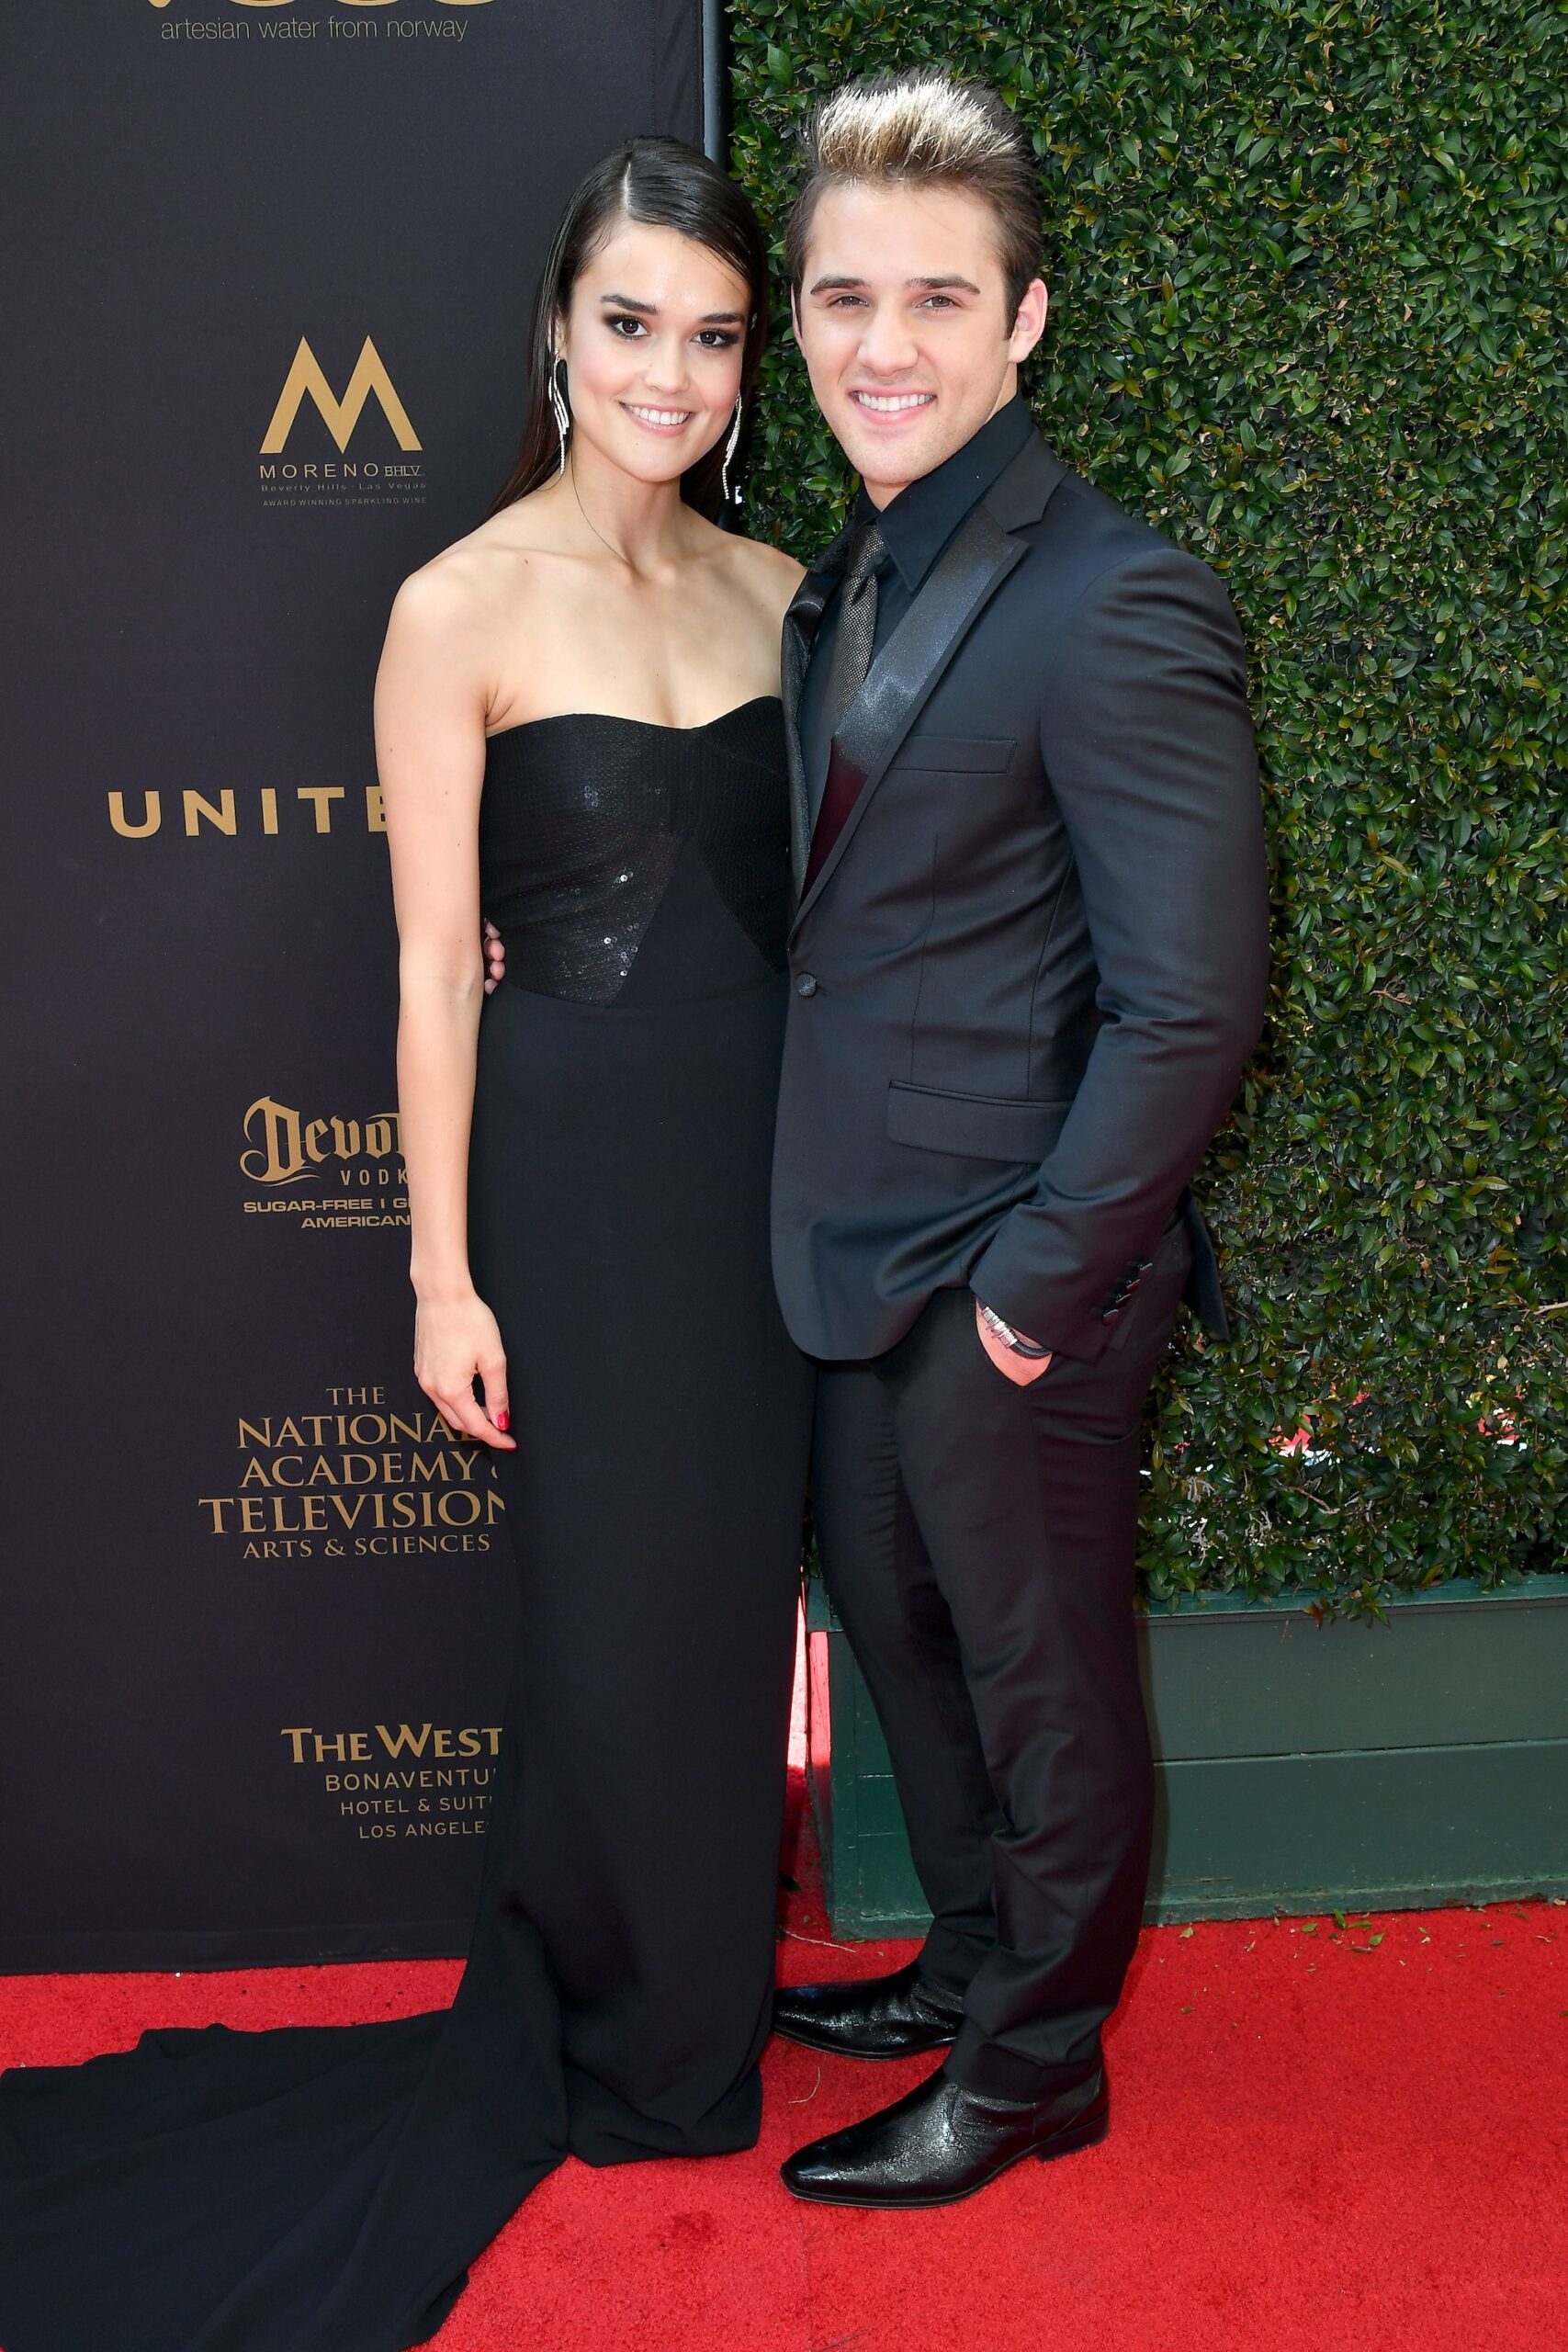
x=916, y=526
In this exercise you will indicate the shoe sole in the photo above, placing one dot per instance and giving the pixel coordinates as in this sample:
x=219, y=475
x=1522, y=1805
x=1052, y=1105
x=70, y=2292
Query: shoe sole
x=876, y=2057
x=1067, y=2143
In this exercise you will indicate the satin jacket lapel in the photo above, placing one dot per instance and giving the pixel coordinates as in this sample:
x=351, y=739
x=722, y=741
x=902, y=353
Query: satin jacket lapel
x=902, y=676
x=900, y=679
x=800, y=625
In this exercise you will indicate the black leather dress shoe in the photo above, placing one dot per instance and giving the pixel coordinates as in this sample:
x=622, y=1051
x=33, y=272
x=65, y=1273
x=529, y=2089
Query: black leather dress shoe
x=942, y=2143
x=880, y=2017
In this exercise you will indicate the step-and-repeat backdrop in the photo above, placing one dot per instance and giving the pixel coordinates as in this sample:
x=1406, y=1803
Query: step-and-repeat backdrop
x=268, y=269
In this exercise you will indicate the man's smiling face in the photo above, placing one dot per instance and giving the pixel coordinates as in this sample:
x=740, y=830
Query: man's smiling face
x=903, y=318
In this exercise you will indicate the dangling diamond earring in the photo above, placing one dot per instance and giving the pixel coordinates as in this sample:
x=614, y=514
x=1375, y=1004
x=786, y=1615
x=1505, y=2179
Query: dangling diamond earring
x=728, y=454
x=563, y=415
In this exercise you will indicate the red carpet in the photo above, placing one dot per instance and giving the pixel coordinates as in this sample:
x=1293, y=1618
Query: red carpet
x=1319, y=2137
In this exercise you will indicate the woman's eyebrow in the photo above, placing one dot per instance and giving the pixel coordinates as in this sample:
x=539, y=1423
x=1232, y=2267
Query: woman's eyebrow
x=651, y=310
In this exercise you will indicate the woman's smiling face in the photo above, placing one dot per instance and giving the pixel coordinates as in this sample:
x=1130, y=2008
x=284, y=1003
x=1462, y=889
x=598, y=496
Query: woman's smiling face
x=653, y=345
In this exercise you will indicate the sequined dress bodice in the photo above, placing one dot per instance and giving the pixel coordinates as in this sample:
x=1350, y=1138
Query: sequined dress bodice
x=626, y=862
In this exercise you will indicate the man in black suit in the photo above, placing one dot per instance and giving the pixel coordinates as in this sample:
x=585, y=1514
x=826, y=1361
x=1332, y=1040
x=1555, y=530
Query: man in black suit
x=1029, y=964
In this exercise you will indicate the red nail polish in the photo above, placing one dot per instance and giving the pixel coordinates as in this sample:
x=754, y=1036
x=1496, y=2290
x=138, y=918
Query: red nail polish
x=503, y=1420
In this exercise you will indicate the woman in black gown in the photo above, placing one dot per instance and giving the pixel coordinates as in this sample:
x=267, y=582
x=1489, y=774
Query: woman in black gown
x=579, y=732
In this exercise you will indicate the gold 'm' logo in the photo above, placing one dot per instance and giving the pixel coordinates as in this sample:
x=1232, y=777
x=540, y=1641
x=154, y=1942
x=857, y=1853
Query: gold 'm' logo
x=306, y=376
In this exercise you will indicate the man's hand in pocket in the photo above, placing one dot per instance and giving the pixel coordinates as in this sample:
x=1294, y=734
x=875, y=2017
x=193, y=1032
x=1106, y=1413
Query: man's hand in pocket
x=1019, y=1370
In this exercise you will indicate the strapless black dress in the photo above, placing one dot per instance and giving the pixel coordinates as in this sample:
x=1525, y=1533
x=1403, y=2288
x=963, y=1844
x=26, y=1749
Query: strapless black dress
x=322, y=2189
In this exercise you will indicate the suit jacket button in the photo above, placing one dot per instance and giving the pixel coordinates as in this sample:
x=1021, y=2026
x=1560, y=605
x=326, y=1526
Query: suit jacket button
x=805, y=985
x=1111, y=1314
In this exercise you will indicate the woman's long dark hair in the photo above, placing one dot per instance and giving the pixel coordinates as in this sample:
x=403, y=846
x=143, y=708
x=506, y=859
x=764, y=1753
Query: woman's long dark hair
x=666, y=185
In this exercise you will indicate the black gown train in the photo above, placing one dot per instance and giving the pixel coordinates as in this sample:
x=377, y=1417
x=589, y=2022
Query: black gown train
x=324, y=2189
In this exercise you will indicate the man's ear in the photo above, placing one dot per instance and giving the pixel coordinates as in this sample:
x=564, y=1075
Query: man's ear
x=794, y=315
x=1029, y=321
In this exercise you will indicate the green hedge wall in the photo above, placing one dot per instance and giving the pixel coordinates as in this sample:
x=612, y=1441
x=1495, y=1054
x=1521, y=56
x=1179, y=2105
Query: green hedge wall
x=1307, y=264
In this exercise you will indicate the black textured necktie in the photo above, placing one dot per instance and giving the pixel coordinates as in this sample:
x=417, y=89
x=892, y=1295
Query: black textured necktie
x=850, y=660
x=857, y=623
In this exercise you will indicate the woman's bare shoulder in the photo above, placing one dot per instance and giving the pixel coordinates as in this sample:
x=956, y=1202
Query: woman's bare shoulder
x=770, y=563
x=489, y=577
x=490, y=573
x=763, y=573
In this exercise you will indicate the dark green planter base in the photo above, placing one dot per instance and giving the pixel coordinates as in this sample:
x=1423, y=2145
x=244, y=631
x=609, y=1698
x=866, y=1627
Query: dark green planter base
x=1301, y=1767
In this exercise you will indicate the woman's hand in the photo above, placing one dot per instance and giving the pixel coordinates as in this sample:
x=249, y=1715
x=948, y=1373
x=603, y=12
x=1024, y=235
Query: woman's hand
x=453, y=1339
x=495, y=957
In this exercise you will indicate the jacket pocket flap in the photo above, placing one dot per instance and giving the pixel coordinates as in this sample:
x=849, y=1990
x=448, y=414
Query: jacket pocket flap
x=976, y=1126
x=964, y=754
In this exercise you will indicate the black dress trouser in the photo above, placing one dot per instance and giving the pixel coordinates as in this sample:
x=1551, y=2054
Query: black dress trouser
x=977, y=1543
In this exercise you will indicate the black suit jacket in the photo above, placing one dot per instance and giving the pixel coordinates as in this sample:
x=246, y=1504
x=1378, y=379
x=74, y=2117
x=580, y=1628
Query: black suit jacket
x=1029, y=974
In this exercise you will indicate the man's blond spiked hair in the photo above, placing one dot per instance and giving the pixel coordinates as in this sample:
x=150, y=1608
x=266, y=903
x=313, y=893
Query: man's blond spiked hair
x=925, y=127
